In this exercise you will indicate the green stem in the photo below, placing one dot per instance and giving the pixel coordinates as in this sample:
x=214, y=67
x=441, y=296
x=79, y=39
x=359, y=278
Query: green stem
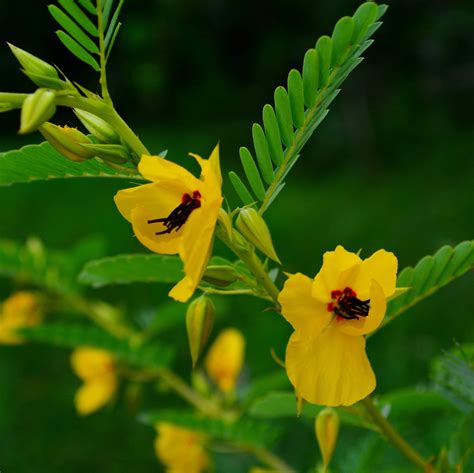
x=253, y=263
x=394, y=437
x=103, y=72
x=267, y=457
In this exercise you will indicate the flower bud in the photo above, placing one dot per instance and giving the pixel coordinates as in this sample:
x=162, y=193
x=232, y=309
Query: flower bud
x=221, y=276
x=199, y=321
x=117, y=154
x=37, y=109
x=97, y=127
x=35, y=68
x=327, y=429
x=68, y=141
x=252, y=226
x=225, y=359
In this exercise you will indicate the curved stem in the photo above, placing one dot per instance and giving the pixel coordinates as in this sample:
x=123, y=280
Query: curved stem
x=394, y=437
x=267, y=457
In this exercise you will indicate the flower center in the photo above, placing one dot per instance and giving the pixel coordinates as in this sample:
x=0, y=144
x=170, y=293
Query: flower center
x=346, y=305
x=178, y=217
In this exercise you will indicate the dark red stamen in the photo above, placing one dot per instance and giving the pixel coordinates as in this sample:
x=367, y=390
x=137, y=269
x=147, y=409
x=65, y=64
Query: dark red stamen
x=346, y=305
x=178, y=217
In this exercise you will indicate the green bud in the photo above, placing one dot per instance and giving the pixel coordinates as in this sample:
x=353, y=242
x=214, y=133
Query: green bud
x=97, y=127
x=114, y=153
x=252, y=226
x=37, y=108
x=199, y=321
x=327, y=429
x=34, y=65
x=226, y=222
x=221, y=276
x=68, y=141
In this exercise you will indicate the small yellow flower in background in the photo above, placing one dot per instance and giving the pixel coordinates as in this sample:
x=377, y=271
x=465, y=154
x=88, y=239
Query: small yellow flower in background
x=325, y=357
x=181, y=450
x=177, y=213
x=225, y=359
x=20, y=310
x=97, y=369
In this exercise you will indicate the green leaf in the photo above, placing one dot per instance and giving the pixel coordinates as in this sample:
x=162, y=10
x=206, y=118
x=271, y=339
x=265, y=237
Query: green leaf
x=112, y=40
x=77, y=50
x=430, y=274
x=296, y=95
x=272, y=133
x=79, y=16
x=73, y=29
x=241, y=189
x=341, y=39
x=310, y=77
x=166, y=317
x=112, y=30
x=261, y=386
x=89, y=6
x=263, y=155
x=67, y=335
x=106, y=11
x=365, y=15
x=241, y=431
x=324, y=49
x=283, y=113
x=127, y=269
x=42, y=162
x=251, y=171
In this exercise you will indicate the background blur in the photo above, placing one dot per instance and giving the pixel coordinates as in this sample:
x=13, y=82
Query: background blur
x=390, y=167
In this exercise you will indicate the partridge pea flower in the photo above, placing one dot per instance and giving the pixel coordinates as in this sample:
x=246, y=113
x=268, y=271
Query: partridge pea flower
x=180, y=450
x=20, y=310
x=176, y=213
x=325, y=357
x=97, y=369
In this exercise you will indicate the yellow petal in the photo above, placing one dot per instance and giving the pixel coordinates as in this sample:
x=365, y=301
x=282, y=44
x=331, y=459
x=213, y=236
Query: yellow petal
x=365, y=325
x=328, y=279
x=381, y=266
x=331, y=369
x=89, y=363
x=195, y=248
x=225, y=359
x=210, y=169
x=157, y=169
x=94, y=394
x=306, y=314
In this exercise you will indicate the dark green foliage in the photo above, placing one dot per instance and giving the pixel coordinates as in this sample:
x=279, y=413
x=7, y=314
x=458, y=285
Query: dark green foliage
x=70, y=335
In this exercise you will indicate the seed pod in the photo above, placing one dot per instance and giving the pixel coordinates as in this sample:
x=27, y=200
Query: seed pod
x=37, y=108
x=68, y=141
x=252, y=226
x=327, y=429
x=221, y=276
x=97, y=127
x=114, y=153
x=199, y=321
x=34, y=65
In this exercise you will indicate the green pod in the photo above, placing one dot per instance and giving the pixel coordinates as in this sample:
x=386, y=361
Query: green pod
x=97, y=127
x=37, y=109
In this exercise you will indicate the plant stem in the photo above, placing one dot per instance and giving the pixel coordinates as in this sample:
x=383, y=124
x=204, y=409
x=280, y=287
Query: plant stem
x=394, y=437
x=267, y=457
x=253, y=263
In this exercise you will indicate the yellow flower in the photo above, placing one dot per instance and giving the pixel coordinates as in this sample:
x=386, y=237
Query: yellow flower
x=180, y=450
x=19, y=310
x=177, y=213
x=97, y=369
x=325, y=357
x=225, y=359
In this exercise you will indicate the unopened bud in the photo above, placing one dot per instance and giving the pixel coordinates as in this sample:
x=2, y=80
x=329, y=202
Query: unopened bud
x=97, y=127
x=39, y=71
x=68, y=141
x=252, y=226
x=37, y=109
x=226, y=222
x=199, y=321
x=220, y=276
x=117, y=154
x=327, y=429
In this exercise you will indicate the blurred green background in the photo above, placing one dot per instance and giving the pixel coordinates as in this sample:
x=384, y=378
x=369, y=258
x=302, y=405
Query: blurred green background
x=390, y=167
